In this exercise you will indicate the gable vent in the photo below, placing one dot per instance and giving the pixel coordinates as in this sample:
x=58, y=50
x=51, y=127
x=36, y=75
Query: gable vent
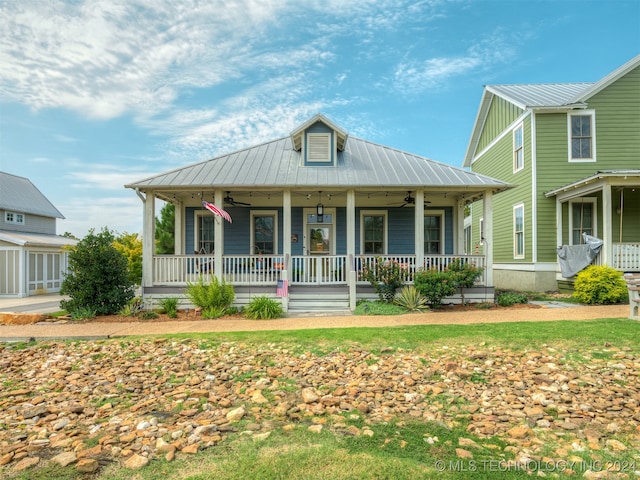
x=318, y=147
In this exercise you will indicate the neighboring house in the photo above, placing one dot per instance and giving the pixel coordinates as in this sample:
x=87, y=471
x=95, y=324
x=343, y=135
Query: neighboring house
x=573, y=152
x=309, y=209
x=32, y=257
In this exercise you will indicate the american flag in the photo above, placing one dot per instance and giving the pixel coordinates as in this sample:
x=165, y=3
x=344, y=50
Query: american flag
x=282, y=289
x=218, y=211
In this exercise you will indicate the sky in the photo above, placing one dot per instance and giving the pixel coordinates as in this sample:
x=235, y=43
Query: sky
x=95, y=94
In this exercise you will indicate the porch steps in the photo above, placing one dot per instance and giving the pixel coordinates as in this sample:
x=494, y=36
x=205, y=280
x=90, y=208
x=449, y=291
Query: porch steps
x=315, y=302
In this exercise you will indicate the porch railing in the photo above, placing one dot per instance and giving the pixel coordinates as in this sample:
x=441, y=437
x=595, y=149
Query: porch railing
x=626, y=256
x=303, y=270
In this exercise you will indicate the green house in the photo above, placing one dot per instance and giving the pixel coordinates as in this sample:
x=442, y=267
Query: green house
x=572, y=150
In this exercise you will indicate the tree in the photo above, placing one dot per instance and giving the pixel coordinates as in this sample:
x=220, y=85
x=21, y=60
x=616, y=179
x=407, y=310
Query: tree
x=165, y=230
x=130, y=245
x=98, y=276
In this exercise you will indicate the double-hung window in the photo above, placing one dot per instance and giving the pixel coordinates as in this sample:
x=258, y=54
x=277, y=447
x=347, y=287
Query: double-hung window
x=518, y=149
x=264, y=232
x=374, y=233
x=518, y=231
x=582, y=143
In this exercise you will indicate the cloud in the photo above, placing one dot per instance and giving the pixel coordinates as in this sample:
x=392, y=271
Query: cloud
x=83, y=214
x=103, y=177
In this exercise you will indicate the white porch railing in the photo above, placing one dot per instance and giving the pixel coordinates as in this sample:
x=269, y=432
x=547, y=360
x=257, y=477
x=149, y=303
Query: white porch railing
x=302, y=270
x=626, y=256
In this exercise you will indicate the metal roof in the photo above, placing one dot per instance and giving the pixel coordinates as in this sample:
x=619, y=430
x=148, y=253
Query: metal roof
x=540, y=95
x=360, y=164
x=599, y=175
x=20, y=195
x=36, y=239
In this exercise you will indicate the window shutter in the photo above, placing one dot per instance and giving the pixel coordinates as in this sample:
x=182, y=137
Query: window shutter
x=318, y=147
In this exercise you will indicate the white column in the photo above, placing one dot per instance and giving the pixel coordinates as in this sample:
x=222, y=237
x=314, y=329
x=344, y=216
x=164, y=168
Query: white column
x=458, y=218
x=351, y=246
x=148, y=239
x=607, y=235
x=218, y=236
x=286, y=241
x=558, y=223
x=419, y=229
x=487, y=214
x=178, y=228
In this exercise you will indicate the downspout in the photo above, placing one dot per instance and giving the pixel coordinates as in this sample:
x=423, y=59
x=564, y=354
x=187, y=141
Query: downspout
x=142, y=197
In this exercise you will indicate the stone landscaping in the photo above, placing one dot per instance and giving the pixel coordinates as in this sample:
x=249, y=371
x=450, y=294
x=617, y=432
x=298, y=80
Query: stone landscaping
x=90, y=404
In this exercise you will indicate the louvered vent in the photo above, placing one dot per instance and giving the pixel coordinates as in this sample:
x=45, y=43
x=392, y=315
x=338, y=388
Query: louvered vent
x=318, y=147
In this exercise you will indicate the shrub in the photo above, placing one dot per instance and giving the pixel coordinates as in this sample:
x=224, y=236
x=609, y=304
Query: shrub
x=600, y=285
x=213, y=295
x=507, y=299
x=97, y=277
x=148, y=315
x=82, y=313
x=411, y=299
x=434, y=285
x=465, y=275
x=386, y=276
x=263, y=308
x=170, y=306
x=133, y=308
x=213, y=312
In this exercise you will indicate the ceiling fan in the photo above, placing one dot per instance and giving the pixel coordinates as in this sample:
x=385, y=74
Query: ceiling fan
x=229, y=199
x=410, y=200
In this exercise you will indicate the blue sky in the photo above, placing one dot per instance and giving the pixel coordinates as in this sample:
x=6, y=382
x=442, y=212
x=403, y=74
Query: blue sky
x=98, y=93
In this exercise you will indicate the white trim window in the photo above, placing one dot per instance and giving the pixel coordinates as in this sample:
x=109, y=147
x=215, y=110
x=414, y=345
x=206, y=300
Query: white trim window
x=518, y=148
x=434, y=232
x=582, y=219
x=373, y=232
x=582, y=136
x=264, y=232
x=518, y=231
x=204, y=234
x=13, y=217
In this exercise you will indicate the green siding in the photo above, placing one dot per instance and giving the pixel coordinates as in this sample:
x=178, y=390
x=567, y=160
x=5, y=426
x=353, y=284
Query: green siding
x=501, y=115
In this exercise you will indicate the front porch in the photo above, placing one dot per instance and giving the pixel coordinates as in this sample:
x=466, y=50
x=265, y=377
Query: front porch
x=329, y=282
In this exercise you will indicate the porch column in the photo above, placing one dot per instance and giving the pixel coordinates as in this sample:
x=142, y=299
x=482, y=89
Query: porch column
x=178, y=237
x=351, y=246
x=286, y=241
x=148, y=239
x=607, y=235
x=558, y=222
x=218, y=237
x=487, y=214
x=419, y=229
x=459, y=223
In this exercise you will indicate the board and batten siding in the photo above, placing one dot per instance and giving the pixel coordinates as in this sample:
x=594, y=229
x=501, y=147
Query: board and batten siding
x=501, y=115
x=497, y=162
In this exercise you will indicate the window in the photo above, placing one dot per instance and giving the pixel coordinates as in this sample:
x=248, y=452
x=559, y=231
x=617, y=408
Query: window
x=318, y=147
x=518, y=149
x=374, y=233
x=582, y=219
x=518, y=231
x=15, y=218
x=433, y=234
x=204, y=233
x=582, y=137
x=468, y=247
x=264, y=227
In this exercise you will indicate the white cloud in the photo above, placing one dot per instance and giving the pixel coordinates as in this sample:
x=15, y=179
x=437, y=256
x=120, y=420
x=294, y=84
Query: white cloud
x=120, y=213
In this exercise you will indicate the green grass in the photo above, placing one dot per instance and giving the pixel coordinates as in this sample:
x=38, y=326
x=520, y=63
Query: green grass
x=378, y=308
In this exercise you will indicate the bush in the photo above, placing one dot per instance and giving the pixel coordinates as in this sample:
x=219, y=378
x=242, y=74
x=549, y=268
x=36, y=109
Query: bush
x=411, y=299
x=97, y=277
x=263, y=308
x=82, y=313
x=170, y=306
x=507, y=299
x=465, y=275
x=600, y=285
x=435, y=285
x=213, y=295
x=386, y=276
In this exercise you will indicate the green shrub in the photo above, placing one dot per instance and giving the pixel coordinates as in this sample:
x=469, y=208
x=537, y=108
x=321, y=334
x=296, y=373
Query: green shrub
x=133, y=308
x=148, y=315
x=97, y=277
x=507, y=299
x=386, y=276
x=170, y=306
x=82, y=313
x=465, y=275
x=435, y=285
x=213, y=312
x=600, y=285
x=365, y=307
x=263, y=308
x=411, y=299
x=213, y=295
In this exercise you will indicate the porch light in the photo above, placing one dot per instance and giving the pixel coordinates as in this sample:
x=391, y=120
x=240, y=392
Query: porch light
x=319, y=209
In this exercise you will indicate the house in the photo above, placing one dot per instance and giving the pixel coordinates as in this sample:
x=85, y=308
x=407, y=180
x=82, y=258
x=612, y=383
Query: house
x=32, y=257
x=309, y=210
x=572, y=150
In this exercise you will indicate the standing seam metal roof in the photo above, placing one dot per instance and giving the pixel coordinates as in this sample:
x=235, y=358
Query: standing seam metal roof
x=18, y=194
